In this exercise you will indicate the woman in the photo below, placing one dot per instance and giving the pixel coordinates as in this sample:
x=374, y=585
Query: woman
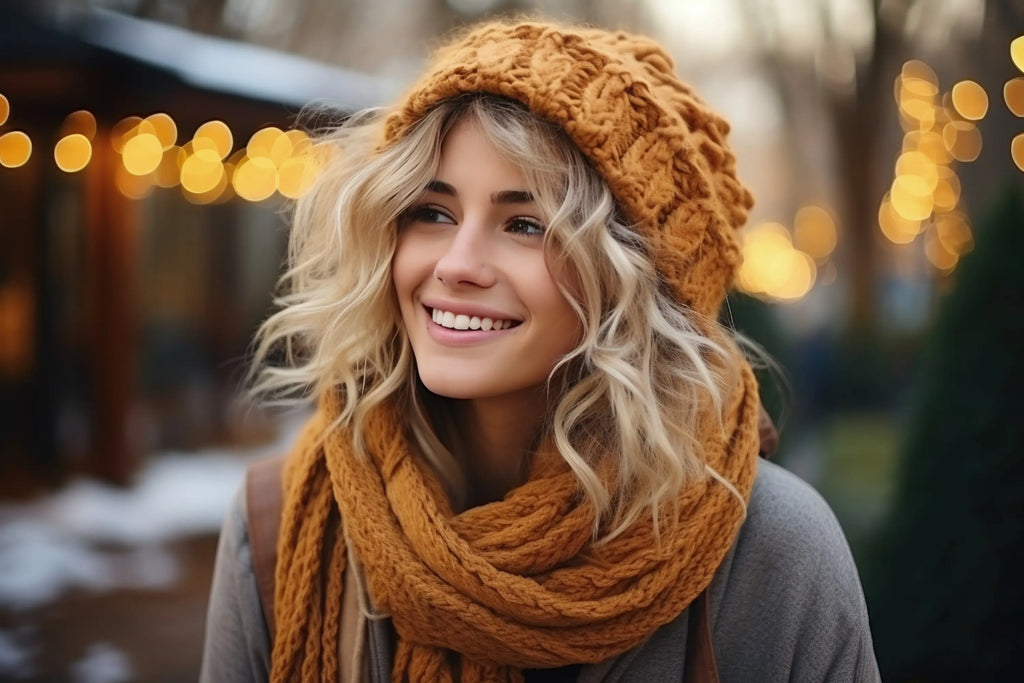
x=534, y=447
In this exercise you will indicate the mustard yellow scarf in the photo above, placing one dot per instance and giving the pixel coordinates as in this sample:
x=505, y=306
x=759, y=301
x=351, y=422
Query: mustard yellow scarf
x=482, y=594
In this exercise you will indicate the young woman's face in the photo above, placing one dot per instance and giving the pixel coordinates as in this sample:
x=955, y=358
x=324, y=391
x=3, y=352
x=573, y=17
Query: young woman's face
x=483, y=312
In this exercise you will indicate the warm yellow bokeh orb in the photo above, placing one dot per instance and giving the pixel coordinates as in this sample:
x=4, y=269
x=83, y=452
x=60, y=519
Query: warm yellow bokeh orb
x=164, y=128
x=946, y=194
x=895, y=227
x=962, y=139
x=939, y=256
x=772, y=267
x=1017, y=150
x=214, y=193
x=1017, y=52
x=5, y=110
x=122, y=131
x=255, y=179
x=72, y=152
x=911, y=197
x=15, y=149
x=928, y=143
x=202, y=171
x=131, y=185
x=814, y=232
x=262, y=143
x=168, y=173
x=954, y=232
x=82, y=122
x=217, y=133
x=295, y=176
x=1013, y=95
x=970, y=100
x=920, y=165
x=916, y=69
x=142, y=154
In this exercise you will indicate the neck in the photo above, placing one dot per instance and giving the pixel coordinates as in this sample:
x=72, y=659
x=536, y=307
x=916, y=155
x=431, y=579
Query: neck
x=497, y=435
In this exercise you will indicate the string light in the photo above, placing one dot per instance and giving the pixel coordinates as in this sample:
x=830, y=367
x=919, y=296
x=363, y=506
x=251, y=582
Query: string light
x=72, y=152
x=5, y=109
x=15, y=149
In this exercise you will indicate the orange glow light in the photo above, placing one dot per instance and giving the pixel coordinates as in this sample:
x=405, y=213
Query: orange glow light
x=1017, y=151
x=5, y=110
x=962, y=139
x=122, y=131
x=72, y=152
x=1017, y=52
x=164, y=128
x=895, y=227
x=141, y=154
x=202, y=172
x=970, y=100
x=218, y=134
x=15, y=149
x=1013, y=94
x=82, y=122
x=814, y=232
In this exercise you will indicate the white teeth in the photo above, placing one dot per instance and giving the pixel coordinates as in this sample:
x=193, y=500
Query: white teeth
x=465, y=322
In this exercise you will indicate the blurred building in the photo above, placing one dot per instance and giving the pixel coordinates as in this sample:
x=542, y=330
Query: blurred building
x=126, y=298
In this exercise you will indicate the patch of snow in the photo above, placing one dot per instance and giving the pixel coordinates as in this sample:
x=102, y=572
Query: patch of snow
x=102, y=663
x=94, y=536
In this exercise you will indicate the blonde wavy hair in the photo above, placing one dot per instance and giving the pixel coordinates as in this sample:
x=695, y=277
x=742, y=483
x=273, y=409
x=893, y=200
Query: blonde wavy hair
x=645, y=371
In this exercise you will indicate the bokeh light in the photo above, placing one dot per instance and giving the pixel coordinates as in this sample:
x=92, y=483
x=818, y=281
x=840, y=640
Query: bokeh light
x=122, y=131
x=772, y=267
x=72, y=152
x=1017, y=52
x=962, y=139
x=970, y=100
x=15, y=149
x=5, y=109
x=255, y=179
x=82, y=122
x=940, y=257
x=141, y=155
x=814, y=232
x=168, y=173
x=1013, y=95
x=131, y=185
x=217, y=134
x=911, y=197
x=954, y=232
x=201, y=171
x=1017, y=150
x=896, y=228
x=946, y=195
x=163, y=127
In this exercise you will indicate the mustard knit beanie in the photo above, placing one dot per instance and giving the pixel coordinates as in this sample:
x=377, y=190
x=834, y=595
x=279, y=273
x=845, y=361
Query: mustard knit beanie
x=661, y=150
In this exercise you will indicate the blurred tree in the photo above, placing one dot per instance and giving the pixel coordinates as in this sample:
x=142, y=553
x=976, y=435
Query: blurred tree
x=944, y=583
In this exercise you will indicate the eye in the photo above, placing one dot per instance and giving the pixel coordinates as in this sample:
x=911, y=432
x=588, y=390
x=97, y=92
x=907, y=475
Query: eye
x=521, y=225
x=427, y=214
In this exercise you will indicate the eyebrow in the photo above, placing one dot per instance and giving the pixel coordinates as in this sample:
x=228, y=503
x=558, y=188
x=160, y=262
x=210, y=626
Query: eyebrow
x=503, y=197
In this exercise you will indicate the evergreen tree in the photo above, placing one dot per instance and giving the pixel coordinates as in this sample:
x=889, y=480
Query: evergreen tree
x=945, y=585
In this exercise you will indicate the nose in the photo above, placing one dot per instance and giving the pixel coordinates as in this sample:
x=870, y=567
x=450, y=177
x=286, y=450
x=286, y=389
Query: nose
x=467, y=258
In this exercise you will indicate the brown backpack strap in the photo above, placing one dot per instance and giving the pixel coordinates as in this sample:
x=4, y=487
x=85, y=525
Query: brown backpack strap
x=700, y=666
x=264, y=497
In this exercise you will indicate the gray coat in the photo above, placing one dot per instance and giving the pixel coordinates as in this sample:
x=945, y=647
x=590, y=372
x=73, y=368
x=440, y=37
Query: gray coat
x=785, y=605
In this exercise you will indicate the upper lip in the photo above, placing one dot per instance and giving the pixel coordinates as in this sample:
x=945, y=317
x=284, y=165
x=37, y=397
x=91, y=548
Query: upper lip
x=470, y=309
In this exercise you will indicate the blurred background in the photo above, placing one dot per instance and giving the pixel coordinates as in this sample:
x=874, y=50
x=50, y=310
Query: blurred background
x=148, y=153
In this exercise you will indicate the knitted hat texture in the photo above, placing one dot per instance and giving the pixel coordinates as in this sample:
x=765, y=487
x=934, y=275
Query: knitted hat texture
x=661, y=150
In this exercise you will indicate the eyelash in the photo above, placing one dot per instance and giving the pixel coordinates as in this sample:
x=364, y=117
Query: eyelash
x=518, y=225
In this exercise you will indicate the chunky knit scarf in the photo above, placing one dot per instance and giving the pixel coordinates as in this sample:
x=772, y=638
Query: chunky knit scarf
x=482, y=594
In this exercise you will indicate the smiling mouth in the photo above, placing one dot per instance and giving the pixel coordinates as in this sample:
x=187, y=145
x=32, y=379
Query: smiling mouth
x=461, y=321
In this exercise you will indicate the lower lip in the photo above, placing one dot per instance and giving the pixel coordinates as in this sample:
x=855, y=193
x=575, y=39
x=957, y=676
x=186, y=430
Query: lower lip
x=450, y=337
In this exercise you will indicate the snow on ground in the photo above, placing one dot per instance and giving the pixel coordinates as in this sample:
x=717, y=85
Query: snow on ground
x=94, y=536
